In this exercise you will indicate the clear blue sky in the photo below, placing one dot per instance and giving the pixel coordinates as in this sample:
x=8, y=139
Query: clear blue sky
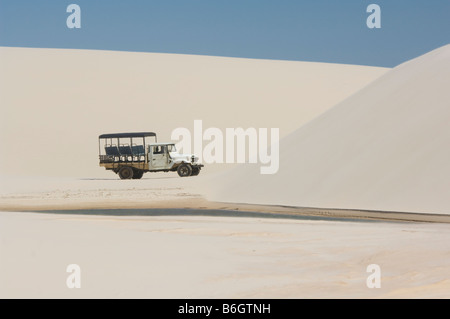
x=315, y=30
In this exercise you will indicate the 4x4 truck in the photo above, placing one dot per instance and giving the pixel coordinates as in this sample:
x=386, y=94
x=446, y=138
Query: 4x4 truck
x=130, y=155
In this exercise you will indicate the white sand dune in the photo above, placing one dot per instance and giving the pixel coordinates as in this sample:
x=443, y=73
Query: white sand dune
x=384, y=148
x=56, y=102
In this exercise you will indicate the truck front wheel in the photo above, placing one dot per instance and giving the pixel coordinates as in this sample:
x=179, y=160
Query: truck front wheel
x=195, y=171
x=126, y=172
x=184, y=170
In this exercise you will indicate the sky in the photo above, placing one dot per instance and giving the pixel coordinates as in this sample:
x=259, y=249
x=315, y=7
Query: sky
x=316, y=30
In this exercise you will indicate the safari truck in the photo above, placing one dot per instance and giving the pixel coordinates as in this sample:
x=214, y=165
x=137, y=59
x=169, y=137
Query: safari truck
x=130, y=155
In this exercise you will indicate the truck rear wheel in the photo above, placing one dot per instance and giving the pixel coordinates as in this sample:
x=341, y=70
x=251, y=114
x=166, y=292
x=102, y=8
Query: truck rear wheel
x=137, y=174
x=184, y=170
x=126, y=172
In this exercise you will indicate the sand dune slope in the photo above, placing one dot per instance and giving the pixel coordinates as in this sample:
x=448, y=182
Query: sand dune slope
x=386, y=147
x=55, y=103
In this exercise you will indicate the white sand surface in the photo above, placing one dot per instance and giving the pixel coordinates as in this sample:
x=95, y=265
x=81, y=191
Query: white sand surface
x=55, y=103
x=214, y=257
x=384, y=148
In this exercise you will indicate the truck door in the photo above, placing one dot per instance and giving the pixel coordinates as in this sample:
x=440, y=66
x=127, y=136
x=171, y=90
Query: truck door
x=159, y=158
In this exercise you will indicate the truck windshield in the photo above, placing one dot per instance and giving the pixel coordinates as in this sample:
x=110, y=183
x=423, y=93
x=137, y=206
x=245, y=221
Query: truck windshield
x=171, y=148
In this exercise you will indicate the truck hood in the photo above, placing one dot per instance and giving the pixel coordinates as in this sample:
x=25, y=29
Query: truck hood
x=177, y=157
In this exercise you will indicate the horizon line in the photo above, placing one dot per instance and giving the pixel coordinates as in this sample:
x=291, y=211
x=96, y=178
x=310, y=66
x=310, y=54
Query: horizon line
x=196, y=54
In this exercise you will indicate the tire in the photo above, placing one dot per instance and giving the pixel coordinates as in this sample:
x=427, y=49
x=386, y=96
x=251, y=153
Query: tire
x=184, y=170
x=195, y=171
x=126, y=172
x=137, y=174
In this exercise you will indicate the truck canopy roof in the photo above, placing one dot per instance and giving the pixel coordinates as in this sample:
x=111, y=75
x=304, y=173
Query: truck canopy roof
x=123, y=135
